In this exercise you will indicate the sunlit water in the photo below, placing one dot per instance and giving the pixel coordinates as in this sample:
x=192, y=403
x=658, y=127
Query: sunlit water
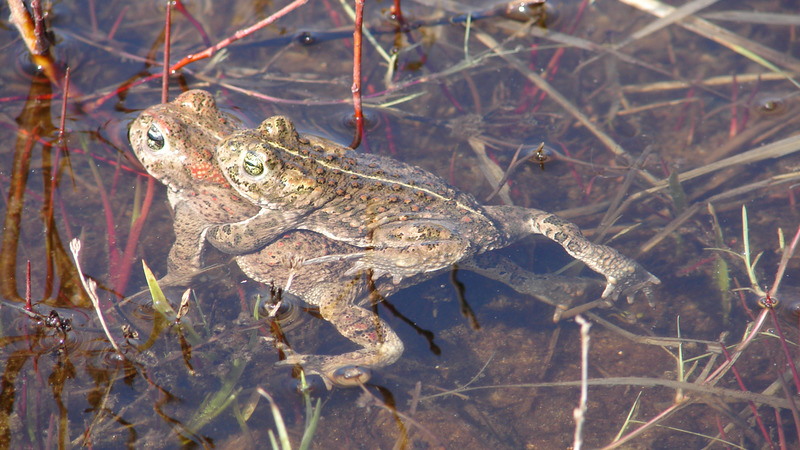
x=461, y=382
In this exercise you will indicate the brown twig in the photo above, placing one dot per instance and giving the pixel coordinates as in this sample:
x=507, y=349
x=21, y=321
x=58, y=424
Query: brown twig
x=31, y=29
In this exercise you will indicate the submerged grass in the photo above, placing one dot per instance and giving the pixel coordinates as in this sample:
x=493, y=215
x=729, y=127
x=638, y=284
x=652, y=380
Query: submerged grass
x=312, y=415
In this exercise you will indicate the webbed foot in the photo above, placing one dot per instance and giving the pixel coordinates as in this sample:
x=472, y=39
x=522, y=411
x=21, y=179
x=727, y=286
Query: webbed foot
x=629, y=280
x=332, y=373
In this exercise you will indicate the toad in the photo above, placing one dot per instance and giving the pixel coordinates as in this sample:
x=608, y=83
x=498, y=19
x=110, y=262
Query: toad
x=331, y=225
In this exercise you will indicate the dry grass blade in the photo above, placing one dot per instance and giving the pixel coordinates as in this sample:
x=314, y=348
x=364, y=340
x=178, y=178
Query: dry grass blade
x=663, y=415
x=787, y=254
x=752, y=50
x=617, y=207
x=732, y=395
x=577, y=42
x=713, y=81
x=755, y=17
x=735, y=194
x=662, y=22
x=490, y=170
x=770, y=151
x=91, y=288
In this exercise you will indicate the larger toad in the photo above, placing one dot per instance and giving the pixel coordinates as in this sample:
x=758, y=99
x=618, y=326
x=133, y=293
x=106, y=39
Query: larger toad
x=404, y=220
x=175, y=142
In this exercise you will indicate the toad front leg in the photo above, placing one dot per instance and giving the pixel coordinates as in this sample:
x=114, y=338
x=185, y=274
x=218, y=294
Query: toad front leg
x=253, y=233
x=186, y=255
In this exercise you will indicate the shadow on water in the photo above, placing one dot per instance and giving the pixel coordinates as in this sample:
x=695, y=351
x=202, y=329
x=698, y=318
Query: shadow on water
x=651, y=146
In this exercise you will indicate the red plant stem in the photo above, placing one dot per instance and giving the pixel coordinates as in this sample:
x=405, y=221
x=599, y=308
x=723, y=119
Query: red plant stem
x=792, y=403
x=93, y=16
x=694, y=266
x=397, y=12
x=62, y=145
x=663, y=415
x=746, y=113
x=208, y=52
x=337, y=22
x=165, y=72
x=62, y=123
x=779, y=425
x=38, y=20
x=734, y=130
x=744, y=303
x=684, y=108
x=574, y=171
x=720, y=371
x=114, y=27
x=133, y=239
x=750, y=402
x=203, y=35
x=28, y=303
x=720, y=428
x=552, y=66
x=113, y=251
x=785, y=349
x=356, y=89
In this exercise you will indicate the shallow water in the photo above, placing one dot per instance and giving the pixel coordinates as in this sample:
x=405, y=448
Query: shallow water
x=460, y=383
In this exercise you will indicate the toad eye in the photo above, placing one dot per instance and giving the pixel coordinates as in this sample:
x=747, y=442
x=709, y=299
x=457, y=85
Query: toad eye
x=252, y=164
x=155, y=139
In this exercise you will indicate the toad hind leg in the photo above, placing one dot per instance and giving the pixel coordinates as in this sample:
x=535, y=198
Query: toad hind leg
x=407, y=248
x=623, y=275
x=380, y=346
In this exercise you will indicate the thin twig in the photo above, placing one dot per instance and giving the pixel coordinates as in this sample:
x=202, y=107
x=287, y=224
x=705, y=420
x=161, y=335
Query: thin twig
x=579, y=413
x=167, y=36
x=91, y=288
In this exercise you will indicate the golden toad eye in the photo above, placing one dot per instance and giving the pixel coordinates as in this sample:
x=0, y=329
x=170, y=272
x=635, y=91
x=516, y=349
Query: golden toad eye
x=252, y=164
x=772, y=106
x=155, y=139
